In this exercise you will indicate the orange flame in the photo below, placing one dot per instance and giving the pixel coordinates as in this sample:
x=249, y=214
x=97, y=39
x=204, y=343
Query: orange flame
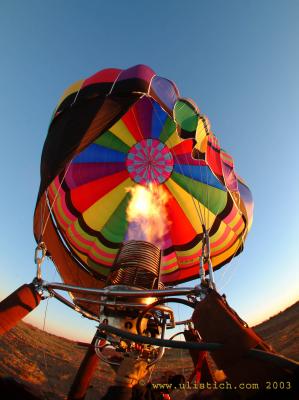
x=147, y=214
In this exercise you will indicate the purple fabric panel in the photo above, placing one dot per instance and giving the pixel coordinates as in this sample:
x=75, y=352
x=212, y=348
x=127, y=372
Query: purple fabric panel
x=79, y=174
x=138, y=72
x=166, y=241
x=247, y=198
x=230, y=178
x=143, y=112
x=164, y=90
x=185, y=159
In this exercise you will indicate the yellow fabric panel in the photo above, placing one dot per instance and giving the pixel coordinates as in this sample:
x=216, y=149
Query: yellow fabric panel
x=226, y=157
x=80, y=255
x=60, y=211
x=76, y=240
x=223, y=256
x=99, y=256
x=202, y=145
x=236, y=198
x=241, y=229
x=102, y=270
x=99, y=244
x=194, y=260
x=234, y=221
x=201, y=131
x=185, y=201
x=169, y=271
x=195, y=250
x=168, y=262
x=173, y=140
x=193, y=210
x=244, y=211
x=91, y=238
x=218, y=233
x=100, y=212
x=55, y=200
x=224, y=243
x=75, y=87
x=121, y=131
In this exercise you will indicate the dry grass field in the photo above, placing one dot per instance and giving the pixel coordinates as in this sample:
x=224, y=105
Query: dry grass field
x=48, y=363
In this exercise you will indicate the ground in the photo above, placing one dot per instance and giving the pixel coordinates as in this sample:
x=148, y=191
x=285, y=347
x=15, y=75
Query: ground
x=48, y=363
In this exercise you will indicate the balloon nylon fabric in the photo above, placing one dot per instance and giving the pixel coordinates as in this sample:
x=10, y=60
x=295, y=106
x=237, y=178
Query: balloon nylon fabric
x=114, y=131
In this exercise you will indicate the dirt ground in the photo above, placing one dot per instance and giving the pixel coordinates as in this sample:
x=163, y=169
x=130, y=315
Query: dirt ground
x=49, y=363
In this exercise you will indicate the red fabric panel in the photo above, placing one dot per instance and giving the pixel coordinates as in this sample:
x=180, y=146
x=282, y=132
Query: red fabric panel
x=86, y=195
x=181, y=229
x=132, y=124
x=213, y=157
x=184, y=147
x=106, y=75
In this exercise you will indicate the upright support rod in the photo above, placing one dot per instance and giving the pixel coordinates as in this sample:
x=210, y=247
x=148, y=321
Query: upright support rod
x=205, y=257
x=85, y=373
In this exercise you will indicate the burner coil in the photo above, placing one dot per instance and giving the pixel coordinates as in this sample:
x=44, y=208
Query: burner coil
x=137, y=264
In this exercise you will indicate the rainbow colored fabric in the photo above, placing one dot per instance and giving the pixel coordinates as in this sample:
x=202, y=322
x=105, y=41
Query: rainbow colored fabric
x=122, y=128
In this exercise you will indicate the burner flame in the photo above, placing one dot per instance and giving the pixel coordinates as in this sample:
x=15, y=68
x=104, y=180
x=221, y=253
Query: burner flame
x=147, y=214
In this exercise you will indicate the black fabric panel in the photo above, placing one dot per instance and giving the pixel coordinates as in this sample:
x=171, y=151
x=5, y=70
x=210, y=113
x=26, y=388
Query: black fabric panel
x=186, y=134
x=63, y=137
x=72, y=130
x=84, y=226
x=95, y=89
x=182, y=247
x=67, y=102
x=224, y=213
x=127, y=85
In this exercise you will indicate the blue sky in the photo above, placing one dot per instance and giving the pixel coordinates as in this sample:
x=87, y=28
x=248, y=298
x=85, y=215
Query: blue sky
x=238, y=60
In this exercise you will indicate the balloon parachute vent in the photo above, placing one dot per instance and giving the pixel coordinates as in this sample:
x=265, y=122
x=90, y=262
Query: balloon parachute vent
x=137, y=264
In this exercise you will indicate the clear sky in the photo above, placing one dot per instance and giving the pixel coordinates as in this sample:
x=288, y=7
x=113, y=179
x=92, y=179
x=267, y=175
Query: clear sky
x=239, y=61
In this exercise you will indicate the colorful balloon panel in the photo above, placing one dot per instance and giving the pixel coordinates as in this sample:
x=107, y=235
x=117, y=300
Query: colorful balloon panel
x=152, y=137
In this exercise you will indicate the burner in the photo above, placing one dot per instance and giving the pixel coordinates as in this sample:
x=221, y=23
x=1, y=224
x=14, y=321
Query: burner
x=137, y=265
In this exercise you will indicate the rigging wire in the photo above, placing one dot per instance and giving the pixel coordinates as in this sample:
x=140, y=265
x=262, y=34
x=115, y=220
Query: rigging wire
x=55, y=197
x=44, y=351
x=202, y=218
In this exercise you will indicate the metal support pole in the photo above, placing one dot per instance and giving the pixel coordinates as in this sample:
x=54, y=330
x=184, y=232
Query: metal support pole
x=206, y=252
x=85, y=373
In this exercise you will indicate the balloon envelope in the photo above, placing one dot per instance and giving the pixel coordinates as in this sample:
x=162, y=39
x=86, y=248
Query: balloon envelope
x=118, y=130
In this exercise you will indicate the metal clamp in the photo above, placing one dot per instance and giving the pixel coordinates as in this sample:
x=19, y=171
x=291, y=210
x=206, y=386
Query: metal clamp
x=39, y=257
x=205, y=258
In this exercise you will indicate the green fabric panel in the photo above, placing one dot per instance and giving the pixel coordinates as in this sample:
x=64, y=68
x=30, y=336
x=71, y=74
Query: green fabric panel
x=185, y=116
x=92, y=238
x=168, y=129
x=107, y=139
x=102, y=270
x=116, y=227
x=212, y=198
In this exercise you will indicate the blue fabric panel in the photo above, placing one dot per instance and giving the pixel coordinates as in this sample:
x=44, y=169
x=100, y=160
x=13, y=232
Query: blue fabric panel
x=158, y=119
x=199, y=173
x=98, y=154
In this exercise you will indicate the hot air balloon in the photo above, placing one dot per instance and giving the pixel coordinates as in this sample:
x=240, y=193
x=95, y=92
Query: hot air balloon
x=118, y=130
x=136, y=197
